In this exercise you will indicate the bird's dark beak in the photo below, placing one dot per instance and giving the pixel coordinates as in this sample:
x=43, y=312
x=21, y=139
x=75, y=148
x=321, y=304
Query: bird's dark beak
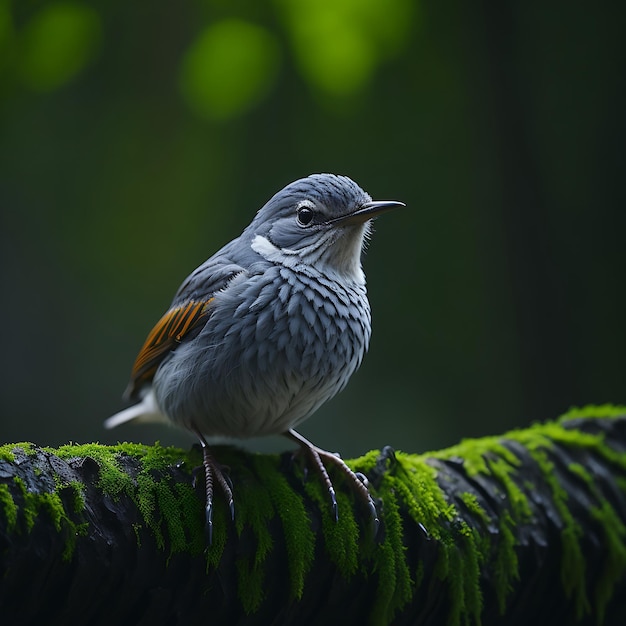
x=366, y=211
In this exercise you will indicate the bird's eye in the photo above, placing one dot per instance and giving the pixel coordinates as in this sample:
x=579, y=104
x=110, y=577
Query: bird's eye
x=305, y=215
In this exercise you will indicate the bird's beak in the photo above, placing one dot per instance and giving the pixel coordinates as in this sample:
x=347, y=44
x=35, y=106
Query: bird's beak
x=366, y=211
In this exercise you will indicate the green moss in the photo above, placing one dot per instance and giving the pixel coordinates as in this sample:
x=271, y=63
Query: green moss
x=78, y=496
x=395, y=587
x=615, y=564
x=166, y=508
x=255, y=513
x=573, y=567
x=506, y=565
x=30, y=506
x=9, y=508
x=366, y=463
x=463, y=575
x=579, y=470
x=7, y=451
x=620, y=481
x=190, y=516
x=112, y=480
x=418, y=487
x=299, y=537
x=614, y=532
x=476, y=454
x=413, y=483
x=137, y=531
x=50, y=503
x=215, y=550
x=592, y=410
x=573, y=562
x=341, y=537
x=477, y=547
x=473, y=507
x=419, y=575
x=463, y=548
x=551, y=433
x=489, y=456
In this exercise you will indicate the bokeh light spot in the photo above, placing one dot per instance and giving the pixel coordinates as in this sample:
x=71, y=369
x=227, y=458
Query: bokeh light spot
x=57, y=44
x=229, y=68
x=339, y=44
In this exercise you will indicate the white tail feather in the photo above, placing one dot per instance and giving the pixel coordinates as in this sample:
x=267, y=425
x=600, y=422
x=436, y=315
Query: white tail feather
x=144, y=411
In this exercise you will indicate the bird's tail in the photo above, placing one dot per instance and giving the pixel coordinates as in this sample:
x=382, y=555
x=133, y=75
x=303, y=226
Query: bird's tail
x=144, y=411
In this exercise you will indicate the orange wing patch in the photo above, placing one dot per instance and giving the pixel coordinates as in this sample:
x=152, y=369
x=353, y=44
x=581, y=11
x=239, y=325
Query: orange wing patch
x=167, y=333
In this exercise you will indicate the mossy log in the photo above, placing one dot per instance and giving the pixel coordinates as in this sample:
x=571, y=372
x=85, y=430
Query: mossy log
x=524, y=528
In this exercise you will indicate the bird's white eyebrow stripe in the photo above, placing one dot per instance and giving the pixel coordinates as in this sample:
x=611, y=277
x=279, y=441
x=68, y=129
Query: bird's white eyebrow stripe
x=266, y=248
x=263, y=246
x=294, y=258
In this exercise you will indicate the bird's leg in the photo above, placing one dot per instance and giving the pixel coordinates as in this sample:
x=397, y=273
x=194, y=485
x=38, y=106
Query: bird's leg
x=214, y=471
x=314, y=455
x=356, y=482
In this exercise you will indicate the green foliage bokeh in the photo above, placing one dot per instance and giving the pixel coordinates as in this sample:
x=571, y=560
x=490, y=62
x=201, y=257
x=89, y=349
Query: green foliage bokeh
x=135, y=140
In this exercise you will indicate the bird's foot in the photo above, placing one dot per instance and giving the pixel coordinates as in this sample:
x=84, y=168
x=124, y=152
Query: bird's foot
x=356, y=480
x=214, y=472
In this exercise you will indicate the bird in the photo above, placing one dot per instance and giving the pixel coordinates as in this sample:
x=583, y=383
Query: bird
x=264, y=332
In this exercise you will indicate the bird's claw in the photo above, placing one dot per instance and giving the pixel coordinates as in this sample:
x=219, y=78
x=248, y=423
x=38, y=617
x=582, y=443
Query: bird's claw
x=333, y=504
x=357, y=480
x=213, y=471
x=208, y=527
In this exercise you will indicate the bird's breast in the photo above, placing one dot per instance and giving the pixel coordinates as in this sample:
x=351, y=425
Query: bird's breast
x=275, y=347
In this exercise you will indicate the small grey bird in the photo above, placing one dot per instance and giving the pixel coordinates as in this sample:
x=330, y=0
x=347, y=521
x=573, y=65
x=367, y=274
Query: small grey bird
x=265, y=331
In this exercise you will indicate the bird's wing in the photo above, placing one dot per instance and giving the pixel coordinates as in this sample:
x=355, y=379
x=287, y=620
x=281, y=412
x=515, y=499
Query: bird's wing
x=187, y=315
x=168, y=332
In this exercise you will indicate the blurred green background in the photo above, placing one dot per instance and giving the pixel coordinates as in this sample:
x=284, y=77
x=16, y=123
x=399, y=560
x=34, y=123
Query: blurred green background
x=137, y=138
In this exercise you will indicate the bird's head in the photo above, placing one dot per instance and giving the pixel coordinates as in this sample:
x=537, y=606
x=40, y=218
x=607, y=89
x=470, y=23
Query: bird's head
x=321, y=220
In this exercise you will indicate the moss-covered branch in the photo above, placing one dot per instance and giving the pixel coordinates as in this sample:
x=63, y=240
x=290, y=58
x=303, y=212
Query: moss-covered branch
x=522, y=528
